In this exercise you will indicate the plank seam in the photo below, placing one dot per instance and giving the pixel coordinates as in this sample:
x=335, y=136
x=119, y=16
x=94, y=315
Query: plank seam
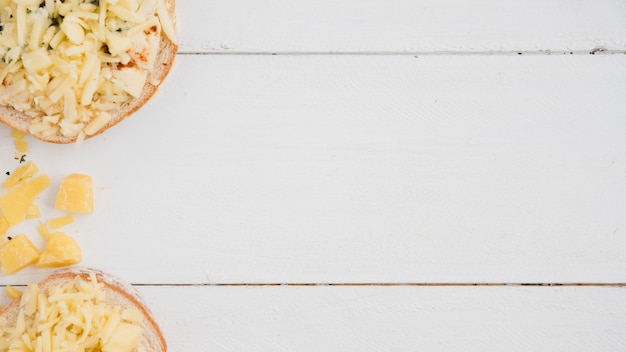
x=409, y=284
x=594, y=51
x=375, y=284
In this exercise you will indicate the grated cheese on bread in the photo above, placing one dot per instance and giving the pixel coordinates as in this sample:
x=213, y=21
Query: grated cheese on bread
x=80, y=309
x=70, y=69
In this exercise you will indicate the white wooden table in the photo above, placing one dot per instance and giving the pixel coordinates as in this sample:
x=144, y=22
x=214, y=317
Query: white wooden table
x=351, y=175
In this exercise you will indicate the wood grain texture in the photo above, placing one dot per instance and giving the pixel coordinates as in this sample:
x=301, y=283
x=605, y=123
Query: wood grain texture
x=360, y=169
x=390, y=318
x=387, y=142
x=398, y=26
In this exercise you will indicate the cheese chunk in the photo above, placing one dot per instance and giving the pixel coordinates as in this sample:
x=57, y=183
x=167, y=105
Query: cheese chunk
x=15, y=203
x=20, y=174
x=17, y=254
x=75, y=194
x=62, y=250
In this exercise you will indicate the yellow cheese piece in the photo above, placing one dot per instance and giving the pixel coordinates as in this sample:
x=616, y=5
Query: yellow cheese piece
x=17, y=134
x=59, y=222
x=33, y=212
x=20, y=144
x=17, y=254
x=43, y=231
x=75, y=194
x=15, y=203
x=62, y=250
x=124, y=338
x=20, y=174
x=12, y=292
x=4, y=225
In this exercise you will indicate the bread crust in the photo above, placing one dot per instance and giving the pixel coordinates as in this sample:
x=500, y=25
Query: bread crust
x=118, y=292
x=162, y=66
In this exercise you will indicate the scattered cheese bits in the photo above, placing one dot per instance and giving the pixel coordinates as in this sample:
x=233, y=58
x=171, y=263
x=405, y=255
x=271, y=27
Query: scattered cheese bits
x=75, y=194
x=70, y=317
x=33, y=212
x=18, y=203
x=17, y=254
x=62, y=250
x=59, y=222
x=64, y=62
x=15, y=203
x=20, y=174
x=12, y=292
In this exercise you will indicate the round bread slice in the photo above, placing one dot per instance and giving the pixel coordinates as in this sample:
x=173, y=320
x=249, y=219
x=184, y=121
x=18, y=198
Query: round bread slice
x=118, y=293
x=165, y=56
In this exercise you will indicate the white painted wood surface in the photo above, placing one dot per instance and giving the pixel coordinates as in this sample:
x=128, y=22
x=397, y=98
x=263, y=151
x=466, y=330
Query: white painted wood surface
x=398, y=26
x=393, y=318
x=384, y=165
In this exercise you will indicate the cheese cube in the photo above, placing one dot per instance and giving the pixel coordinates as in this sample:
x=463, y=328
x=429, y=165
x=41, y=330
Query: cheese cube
x=17, y=254
x=15, y=203
x=20, y=174
x=62, y=250
x=75, y=194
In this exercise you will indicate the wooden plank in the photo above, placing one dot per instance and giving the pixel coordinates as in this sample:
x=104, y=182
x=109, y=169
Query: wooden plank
x=359, y=169
x=391, y=318
x=324, y=318
x=283, y=26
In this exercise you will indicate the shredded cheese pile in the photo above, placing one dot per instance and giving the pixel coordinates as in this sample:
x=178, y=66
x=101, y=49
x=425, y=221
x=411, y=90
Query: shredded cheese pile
x=71, y=317
x=70, y=64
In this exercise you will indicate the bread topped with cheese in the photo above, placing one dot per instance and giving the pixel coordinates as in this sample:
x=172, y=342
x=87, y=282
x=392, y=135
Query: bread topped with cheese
x=80, y=309
x=71, y=69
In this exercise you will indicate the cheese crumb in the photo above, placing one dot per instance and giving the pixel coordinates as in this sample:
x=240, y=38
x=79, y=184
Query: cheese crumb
x=20, y=143
x=4, y=225
x=33, y=212
x=57, y=223
x=12, y=292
